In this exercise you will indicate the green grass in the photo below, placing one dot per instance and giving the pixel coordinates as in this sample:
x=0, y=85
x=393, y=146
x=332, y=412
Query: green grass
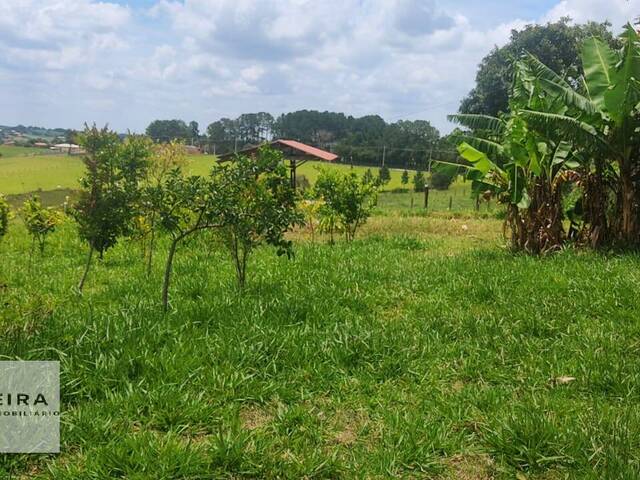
x=422, y=350
x=15, y=151
x=28, y=173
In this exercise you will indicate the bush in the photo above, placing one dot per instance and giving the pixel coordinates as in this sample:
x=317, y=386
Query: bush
x=348, y=202
x=40, y=221
x=4, y=216
x=419, y=182
x=384, y=175
x=443, y=176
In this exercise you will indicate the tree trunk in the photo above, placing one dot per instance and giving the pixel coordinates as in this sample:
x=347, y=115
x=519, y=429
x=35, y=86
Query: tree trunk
x=167, y=274
x=86, y=269
x=628, y=232
x=151, y=245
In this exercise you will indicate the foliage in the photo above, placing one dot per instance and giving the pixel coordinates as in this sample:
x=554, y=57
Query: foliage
x=560, y=135
x=226, y=134
x=419, y=182
x=257, y=205
x=556, y=45
x=169, y=130
x=405, y=177
x=442, y=176
x=109, y=189
x=165, y=158
x=368, y=177
x=348, y=202
x=384, y=175
x=40, y=221
x=5, y=211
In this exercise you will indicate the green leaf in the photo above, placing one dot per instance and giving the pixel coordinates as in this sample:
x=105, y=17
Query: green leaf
x=478, y=122
x=563, y=150
x=623, y=96
x=598, y=61
x=525, y=201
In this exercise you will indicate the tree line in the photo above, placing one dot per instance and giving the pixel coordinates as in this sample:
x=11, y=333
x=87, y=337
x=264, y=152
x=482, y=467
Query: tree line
x=368, y=140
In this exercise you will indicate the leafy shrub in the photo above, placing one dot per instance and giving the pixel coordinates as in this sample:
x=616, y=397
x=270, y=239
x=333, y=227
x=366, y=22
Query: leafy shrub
x=405, y=178
x=384, y=175
x=443, y=176
x=257, y=205
x=419, y=182
x=110, y=188
x=4, y=216
x=348, y=200
x=40, y=221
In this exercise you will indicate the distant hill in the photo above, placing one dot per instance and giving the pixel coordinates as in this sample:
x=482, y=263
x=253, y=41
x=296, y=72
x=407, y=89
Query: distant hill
x=21, y=134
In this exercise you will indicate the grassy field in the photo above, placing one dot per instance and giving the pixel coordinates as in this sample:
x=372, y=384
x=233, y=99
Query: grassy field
x=14, y=151
x=28, y=173
x=422, y=350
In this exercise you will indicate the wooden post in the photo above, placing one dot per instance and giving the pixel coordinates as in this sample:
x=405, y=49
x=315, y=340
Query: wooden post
x=478, y=203
x=293, y=173
x=426, y=197
x=450, y=202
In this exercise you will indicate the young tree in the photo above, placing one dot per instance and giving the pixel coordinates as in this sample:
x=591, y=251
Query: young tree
x=4, y=216
x=185, y=205
x=347, y=200
x=442, y=176
x=405, y=178
x=257, y=206
x=384, y=175
x=40, y=221
x=109, y=190
x=368, y=177
x=419, y=182
x=166, y=157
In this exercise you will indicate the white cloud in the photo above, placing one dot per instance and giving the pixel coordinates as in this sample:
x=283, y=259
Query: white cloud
x=202, y=59
x=618, y=12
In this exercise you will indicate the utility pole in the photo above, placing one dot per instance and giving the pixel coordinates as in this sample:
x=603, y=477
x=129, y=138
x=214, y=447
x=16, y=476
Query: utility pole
x=384, y=153
x=235, y=145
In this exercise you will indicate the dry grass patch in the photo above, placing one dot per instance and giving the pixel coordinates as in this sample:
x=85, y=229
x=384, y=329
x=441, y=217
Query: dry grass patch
x=254, y=417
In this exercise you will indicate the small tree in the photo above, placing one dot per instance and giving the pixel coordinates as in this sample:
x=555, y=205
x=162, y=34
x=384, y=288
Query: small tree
x=4, y=216
x=405, y=178
x=384, y=175
x=443, y=176
x=185, y=205
x=40, y=221
x=109, y=190
x=419, y=182
x=257, y=206
x=166, y=157
x=347, y=200
x=368, y=177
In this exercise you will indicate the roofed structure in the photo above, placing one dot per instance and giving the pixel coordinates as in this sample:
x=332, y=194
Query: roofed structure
x=295, y=152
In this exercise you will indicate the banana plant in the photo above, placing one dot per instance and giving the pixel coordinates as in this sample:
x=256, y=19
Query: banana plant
x=601, y=117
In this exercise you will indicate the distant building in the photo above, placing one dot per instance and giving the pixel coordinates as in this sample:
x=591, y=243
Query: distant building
x=70, y=148
x=41, y=144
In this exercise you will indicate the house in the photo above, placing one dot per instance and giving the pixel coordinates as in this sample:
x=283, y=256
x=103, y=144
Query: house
x=70, y=148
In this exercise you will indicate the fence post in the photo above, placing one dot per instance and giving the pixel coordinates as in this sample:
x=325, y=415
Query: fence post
x=426, y=197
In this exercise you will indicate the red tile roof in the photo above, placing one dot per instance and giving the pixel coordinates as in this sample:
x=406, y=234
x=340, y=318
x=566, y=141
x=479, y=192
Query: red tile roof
x=308, y=149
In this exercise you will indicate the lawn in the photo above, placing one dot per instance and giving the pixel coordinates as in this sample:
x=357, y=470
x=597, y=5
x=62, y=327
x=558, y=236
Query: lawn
x=422, y=350
x=24, y=173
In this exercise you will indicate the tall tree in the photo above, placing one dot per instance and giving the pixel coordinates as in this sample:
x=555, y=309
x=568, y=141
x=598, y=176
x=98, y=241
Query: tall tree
x=168, y=130
x=557, y=45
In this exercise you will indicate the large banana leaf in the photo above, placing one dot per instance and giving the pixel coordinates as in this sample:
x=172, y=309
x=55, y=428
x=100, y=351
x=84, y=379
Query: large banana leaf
x=598, y=61
x=478, y=159
x=623, y=96
x=479, y=122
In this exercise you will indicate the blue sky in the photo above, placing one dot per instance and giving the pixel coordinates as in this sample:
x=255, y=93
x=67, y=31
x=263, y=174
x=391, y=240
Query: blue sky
x=66, y=62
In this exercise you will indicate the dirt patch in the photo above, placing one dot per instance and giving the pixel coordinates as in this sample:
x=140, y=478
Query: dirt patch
x=470, y=467
x=254, y=417
x=347, y=426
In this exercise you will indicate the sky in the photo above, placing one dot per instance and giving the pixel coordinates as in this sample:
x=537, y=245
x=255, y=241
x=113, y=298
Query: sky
x=128, y=62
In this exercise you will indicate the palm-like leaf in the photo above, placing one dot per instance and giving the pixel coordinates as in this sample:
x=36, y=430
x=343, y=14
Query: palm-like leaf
x=486, y=146
x=581, y=133
x=479, y=122
x=598, y=61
